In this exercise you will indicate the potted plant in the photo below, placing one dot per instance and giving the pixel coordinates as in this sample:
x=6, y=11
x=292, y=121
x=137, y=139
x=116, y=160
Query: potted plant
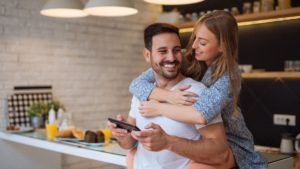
x=37, y=111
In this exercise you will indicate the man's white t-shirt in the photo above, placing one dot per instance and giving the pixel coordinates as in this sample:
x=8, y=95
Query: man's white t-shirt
x=165, y=159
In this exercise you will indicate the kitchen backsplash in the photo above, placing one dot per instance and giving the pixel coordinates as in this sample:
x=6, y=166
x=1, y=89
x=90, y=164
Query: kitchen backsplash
x=261, y=98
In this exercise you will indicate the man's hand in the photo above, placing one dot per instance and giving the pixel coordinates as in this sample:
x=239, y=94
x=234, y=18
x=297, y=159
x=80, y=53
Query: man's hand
x=182, y=97
x=118, y=133
x=153, y=139
x=150, y=108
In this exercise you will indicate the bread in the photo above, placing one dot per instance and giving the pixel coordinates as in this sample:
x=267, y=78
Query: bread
x=90, y=137
x=94, y=137
x=78, y=134
x=100, y=137
x=65, y=133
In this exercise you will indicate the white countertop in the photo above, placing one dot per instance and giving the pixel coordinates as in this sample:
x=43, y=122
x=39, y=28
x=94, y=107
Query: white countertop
x=110, y=153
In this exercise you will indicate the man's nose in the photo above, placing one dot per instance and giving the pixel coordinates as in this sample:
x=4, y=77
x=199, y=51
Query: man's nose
x=171, y=56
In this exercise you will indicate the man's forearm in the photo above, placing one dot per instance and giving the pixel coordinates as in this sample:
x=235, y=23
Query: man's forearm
x=127, y=143
x=207, y=151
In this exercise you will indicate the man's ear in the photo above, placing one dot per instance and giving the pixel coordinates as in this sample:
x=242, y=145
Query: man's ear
x=147, y=55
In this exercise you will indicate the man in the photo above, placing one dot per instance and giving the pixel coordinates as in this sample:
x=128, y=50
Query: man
x=163, y=142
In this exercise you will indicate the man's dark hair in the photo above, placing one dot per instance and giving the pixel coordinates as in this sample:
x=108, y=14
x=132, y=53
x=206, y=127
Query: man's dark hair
x=155, y=29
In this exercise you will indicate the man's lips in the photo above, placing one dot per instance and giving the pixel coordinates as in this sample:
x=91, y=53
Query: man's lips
x=169, y=65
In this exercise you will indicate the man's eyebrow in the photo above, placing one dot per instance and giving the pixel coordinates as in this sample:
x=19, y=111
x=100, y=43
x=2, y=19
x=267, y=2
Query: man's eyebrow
x=161, y=48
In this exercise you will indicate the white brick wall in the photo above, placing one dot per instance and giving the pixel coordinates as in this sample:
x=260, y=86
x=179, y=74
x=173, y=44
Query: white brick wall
x=88, y=61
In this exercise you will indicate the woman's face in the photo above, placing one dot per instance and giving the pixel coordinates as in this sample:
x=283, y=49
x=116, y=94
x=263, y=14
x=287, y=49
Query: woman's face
x=206, y=45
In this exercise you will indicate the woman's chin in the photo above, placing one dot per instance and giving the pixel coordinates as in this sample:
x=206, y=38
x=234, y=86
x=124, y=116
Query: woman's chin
x=198, y=58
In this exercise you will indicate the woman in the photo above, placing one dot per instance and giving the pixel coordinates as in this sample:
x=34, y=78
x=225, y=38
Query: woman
x=212, y=59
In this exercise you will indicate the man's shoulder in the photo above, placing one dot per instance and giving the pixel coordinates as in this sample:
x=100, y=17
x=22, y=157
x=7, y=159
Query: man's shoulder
x=196, y=86
x=192, y=82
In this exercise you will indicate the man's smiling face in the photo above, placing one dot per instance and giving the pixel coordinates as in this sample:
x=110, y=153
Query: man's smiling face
x=165, y=56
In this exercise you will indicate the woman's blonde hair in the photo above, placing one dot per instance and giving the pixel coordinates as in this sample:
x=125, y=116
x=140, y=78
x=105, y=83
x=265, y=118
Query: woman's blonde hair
x=224, y=26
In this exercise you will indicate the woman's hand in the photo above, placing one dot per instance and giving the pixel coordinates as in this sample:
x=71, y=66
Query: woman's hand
x=182, y=97
x=150, y=108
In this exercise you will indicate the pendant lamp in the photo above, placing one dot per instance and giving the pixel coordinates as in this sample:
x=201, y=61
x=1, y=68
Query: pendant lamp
x=110, y=8
x=63, y=9
x=173, y=2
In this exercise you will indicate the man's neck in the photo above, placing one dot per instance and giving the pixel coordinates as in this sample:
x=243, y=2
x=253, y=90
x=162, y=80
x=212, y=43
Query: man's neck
x=167, y=83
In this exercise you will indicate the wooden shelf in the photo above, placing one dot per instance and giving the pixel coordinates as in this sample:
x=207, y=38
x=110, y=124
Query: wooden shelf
x=255, y=17
x=271, y=75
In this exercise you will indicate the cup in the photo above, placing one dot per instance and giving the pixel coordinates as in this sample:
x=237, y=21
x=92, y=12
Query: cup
x=289, y=66
x=51, y=130
x=247, y=68
x=107, y=134
x=297, y=65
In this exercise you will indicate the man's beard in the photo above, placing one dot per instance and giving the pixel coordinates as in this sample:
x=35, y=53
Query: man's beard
x=165, y=74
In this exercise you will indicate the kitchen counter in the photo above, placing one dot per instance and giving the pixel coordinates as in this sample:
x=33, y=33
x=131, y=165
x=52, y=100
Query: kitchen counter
x=275, y=159
x=297, y=161
x=110, y=153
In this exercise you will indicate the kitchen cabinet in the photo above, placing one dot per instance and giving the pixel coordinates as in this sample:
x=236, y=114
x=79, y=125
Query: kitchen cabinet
x=254, y=18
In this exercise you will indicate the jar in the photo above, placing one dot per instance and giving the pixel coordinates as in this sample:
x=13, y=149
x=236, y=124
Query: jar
x=188, y=17
x=181, y=19
x=246, y=8
x=194, y=16
x=235, y=11
x=256, y=7
x=266, y=5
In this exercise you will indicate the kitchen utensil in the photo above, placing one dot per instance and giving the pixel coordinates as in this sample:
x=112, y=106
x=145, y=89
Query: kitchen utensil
x=286, y=144
x=297, y=143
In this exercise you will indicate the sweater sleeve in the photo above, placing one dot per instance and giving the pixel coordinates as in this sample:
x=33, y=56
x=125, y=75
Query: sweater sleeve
x=214, y=98
x=210, y=103
x=142, y=86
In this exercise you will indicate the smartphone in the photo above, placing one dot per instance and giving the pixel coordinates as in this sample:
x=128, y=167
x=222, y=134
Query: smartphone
x=124, y=125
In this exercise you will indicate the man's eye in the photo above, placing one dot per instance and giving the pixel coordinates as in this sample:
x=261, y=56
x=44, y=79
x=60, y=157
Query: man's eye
x=162, y=51
x=177, y=50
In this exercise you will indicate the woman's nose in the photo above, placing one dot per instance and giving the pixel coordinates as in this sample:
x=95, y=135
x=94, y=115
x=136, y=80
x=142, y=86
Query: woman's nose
x=194, y=45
